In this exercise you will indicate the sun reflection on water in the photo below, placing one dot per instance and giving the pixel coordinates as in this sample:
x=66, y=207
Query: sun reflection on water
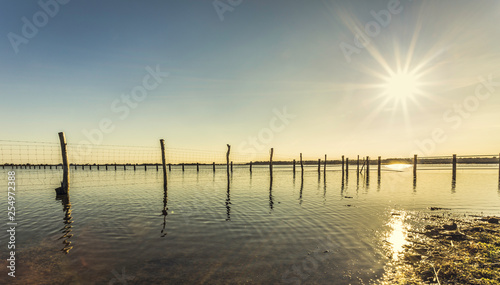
x=398, y=166
x=397, y=235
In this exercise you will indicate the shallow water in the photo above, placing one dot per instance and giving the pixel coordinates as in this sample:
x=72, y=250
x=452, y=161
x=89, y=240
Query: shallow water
x=121, y=226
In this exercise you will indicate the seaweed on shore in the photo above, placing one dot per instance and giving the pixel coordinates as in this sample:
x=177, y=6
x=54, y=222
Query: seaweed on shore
x=450, y=251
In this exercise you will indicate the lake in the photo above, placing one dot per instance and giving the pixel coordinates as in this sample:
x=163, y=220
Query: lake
x=122, y=227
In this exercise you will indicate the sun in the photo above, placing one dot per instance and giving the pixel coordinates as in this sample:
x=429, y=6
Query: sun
x=401, y=86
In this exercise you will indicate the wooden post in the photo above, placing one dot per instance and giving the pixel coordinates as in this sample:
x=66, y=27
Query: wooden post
x=301, y=164
x=367, y=165
x=134, y=166
x=342, y=165
x=250, y=167
x=271, y=162
x=170, y=167
x=319, y=165
x=231, y=167
x=197, y=167
x=454, y=167
x=115, y=166
x=106, y=167
x=163, y=162
x=157, y=167
x=83, y=167
x=64, y=151
x=358, y=163
x=213, y=166
x=324, y=166
x=294, y=166
x=414, y=166
x=182, y=167
x=227, y=157
x=379, y=165
x=347, y=166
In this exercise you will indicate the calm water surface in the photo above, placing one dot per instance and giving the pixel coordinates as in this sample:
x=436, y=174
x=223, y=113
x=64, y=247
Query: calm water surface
x=123, y=227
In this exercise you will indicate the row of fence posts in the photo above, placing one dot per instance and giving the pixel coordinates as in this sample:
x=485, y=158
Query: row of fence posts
x=229, y=165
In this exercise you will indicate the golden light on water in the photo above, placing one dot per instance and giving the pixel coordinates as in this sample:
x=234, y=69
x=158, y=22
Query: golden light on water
x=397, y=235
x=398, y=166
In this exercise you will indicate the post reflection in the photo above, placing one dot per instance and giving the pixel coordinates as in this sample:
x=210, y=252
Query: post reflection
x=228, y=198
x=68, y=221
x=301, y=188
x=324, y=185
x=271, y=202
x=164, y=212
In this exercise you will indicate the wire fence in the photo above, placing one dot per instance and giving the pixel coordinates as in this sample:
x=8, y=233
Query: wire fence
x=32, y=153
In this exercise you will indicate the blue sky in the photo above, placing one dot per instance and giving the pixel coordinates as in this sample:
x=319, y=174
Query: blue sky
x=227, y=76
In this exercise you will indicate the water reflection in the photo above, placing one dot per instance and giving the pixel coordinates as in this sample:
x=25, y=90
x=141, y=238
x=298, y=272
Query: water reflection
x=164, y=212
x=271, y=202
x=301, y=188
x=228, y=198
x=396, y=237
x=68, y=221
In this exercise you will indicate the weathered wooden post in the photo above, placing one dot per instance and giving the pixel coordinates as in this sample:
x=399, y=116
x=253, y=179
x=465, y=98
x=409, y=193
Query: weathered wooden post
x=227, y=157
x=145, y=167
x=163, y=162
x=379, y=165
x=358, y=164
x=271, y=162
x=106, y=167
x=367, y=165
x=182, y=164
x=231, y=167
x=324, y=166
x=342, y=165
x=197, y=167
x=294, y=166
x=250, y=167
x=454, y=175
x=347, y=166
x=301, y=164
x=213, y=166
x=64, y=151
x=415, y=166
x=319, y=166
x=115, y=166
x=134, y=166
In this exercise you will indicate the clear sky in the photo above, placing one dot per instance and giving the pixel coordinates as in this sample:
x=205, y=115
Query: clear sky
x=339, y=77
